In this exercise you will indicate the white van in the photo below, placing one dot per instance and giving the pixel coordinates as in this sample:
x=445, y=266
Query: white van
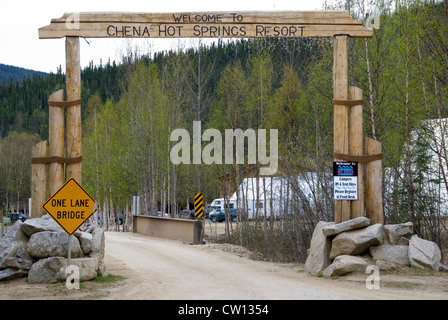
x=219, y=204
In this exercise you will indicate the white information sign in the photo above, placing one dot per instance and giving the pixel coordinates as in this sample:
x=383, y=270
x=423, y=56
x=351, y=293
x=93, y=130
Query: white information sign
x=345, y=188
x=345, y=180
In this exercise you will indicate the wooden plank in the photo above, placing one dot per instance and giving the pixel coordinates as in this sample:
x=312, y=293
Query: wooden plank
x=273, y=17
x=374, y=187
x=211, y=25
x=356, y=148
x=38, y=181
x=138, y=30
x=73, y=113
x=340, y=114
x=56, y=143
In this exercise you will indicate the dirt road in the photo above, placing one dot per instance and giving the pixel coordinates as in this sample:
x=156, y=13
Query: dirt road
x=165, y=269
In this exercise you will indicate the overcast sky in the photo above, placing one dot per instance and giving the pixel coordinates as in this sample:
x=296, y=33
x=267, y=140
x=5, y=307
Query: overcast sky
x=20, y=21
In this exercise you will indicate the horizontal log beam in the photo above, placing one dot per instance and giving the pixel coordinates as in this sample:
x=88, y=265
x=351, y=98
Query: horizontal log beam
x=56, y=159
x=287, y=24
x=302, y=17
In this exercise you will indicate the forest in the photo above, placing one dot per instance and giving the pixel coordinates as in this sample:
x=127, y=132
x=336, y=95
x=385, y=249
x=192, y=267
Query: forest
x=130, y=108
x=9, y=73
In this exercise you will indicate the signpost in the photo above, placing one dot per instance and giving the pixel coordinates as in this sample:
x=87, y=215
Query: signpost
x=70, y=207
x=345, y=180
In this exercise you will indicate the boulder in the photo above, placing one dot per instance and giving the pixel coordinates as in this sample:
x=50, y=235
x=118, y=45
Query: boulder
x=20, y=260
x=87, y=268
x=395, y=232
x=15, y=233
x=11, y=273
x=48, y=270
x=40, y=246
x=89, y=228
x=424, y=254
x=356, y=241
x=85, y=240
x=385, y=265
x=45, y=223
x=98, y=244
x=345, y=264
x=443, y=268
x=403, y=241
x=391, y=253
x=52, y=244
x=348, y=225
x=54, y=269
x=13, y=240
x=318, y=258
x=98, y=241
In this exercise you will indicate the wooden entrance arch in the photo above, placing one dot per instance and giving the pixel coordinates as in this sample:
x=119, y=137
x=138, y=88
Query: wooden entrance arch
x=253, y=24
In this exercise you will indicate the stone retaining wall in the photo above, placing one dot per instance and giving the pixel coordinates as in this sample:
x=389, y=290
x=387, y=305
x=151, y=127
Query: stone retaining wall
x=38, y=248
x=350, y=246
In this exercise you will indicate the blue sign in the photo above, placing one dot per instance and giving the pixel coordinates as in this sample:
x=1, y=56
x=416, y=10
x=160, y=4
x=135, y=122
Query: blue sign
x=345, y=169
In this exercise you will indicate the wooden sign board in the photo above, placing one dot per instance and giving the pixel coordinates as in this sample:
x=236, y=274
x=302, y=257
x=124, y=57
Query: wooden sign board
x=253, y=24
x=70, y=206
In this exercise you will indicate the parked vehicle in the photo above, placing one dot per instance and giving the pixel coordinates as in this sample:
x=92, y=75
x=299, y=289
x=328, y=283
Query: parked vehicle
x=220, y=204
x=189, y=214
x=218, y=215
x=162, y=215
x=186, y=214
x=12, y=217
x=121, y=219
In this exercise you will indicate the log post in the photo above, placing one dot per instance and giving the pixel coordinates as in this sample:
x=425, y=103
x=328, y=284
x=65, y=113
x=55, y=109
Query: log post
x=38, y=180
x=73, y=130
x=56, y=143
x=340, y=115
x=356, y=149
x=374, y=187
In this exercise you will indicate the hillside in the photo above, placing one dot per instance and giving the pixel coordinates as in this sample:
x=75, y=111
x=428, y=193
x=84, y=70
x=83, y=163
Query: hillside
x=16, y=74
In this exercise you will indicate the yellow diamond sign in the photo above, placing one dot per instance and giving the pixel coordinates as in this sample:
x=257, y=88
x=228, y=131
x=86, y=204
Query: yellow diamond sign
x=70, y=206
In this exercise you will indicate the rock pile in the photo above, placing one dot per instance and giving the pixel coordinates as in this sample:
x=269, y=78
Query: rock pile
x=339, y=249
x=38, y=248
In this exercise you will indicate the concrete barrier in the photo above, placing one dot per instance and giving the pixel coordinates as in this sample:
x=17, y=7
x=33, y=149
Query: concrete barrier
x=168, y=228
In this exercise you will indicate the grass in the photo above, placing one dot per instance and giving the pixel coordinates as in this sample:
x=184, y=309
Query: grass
x=94, y=289
x=97, y=288
x=109, y=278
